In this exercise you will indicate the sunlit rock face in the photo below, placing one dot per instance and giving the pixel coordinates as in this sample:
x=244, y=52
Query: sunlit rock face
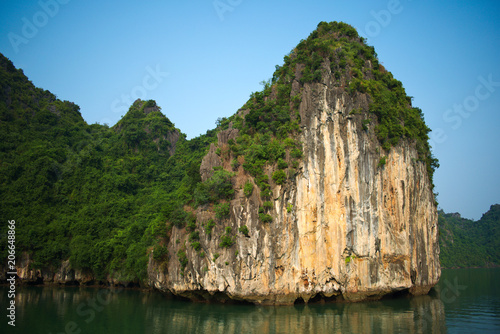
x=348, y=226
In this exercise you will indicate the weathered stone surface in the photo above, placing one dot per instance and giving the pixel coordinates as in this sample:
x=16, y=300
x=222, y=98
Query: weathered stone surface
x=173, y=138
x=357, y=230
x=346, y=227
x=210, y=161
x=64, y=274
x=224, y=136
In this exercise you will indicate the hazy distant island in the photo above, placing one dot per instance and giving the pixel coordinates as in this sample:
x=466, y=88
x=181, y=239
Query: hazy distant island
x=320, y=187
x=467, y=243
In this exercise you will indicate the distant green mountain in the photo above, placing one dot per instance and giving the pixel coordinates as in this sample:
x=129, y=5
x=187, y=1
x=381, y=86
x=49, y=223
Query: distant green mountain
x=468, y=243
x=102, y=196
x=89, y=193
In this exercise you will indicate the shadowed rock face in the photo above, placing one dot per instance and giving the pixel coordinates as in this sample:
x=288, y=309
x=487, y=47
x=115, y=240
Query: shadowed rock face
x=347, y=227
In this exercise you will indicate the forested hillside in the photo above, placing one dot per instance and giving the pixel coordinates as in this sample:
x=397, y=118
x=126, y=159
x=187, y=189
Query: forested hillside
x=90, y=193
x=468, y=243
x=102, y=196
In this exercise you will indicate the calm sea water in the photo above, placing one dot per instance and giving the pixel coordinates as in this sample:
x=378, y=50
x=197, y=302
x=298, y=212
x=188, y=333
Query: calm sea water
x=464, y=301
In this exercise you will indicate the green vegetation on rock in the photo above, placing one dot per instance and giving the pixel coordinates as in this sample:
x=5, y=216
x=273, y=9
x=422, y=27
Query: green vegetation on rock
x=96, y=195
x=104, y=197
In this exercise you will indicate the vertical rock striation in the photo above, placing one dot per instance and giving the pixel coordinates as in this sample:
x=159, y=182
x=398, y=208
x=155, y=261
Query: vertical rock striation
x=357, y=229
x=357, y=222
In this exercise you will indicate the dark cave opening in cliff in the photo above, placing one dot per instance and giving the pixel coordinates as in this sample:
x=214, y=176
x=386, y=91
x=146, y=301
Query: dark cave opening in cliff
x=133, y=285
x=404, y=293
x=318, y=299
x=38, y=281
x=72, y=283
x=299, y=301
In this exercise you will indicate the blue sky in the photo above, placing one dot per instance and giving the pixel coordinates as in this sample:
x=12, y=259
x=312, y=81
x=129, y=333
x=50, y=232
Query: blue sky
x=201, y=59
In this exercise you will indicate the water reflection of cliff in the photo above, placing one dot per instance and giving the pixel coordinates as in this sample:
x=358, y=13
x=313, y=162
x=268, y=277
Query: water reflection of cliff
x=423, y=314
x=124, y=311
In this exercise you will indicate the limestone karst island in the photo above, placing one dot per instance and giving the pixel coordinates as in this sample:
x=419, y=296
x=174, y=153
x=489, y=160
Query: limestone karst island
x=318, y=188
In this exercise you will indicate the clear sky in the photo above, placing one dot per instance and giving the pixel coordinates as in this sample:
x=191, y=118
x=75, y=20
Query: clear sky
x=201, y=59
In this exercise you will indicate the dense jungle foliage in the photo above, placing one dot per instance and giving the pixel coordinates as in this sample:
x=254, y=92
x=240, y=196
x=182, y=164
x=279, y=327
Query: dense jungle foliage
x=468, y=243
x=96, y=195
x=103, y=196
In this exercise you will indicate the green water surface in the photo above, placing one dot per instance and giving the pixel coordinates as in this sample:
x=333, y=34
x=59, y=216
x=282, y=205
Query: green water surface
x=464, y=301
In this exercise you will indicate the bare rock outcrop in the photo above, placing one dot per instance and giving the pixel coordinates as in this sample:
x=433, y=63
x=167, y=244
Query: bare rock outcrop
x=210, y=161
x=347, y=227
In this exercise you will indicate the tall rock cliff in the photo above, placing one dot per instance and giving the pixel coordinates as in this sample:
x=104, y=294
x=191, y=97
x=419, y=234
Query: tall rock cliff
x=331, y=189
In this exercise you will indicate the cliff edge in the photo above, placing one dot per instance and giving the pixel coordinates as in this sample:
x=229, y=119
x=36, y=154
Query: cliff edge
x=328, y=189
